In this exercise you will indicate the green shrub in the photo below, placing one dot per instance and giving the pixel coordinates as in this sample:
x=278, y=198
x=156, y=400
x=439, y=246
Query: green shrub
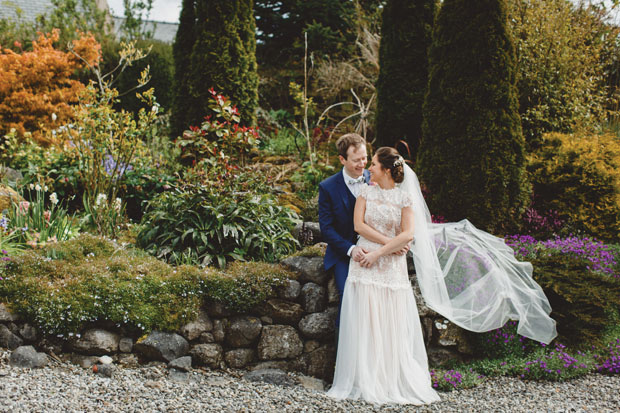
x=583, y=302
x=63, y=288
x=501, y=342
x=579, y=176
x=208, y=225
x=472, y=156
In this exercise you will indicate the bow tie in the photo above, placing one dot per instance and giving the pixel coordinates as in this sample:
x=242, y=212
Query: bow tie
x=359, y=180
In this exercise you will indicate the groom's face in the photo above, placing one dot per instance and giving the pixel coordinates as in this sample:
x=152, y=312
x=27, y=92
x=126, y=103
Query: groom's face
x=356, y=161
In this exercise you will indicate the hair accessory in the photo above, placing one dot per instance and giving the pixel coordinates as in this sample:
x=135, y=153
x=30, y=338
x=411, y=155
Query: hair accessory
x=399, y=161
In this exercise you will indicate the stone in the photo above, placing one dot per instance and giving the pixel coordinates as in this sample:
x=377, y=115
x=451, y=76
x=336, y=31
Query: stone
x=318, y=325
x=8, y=196
x=28, y=332
x=309, y=268
x=179, y=376
x=273, y=364
x=313, y=297
x=182, y=363
x=218, y=331
x=27, y=357
x=128, y=360
x=105, y=370
x=283, y=312
x=96, y=341
x=333, y=295
x=266, y=320
x=279, y=342
x=8, y=339
x=207, y=355
x=239, y=357
x=290, y=290
x=105, y=360
x=193, y=330
x=206, y=338
x=271, y=376
x=438, y=357
x=319, y=362
x=243, y=331
x=311, y=226
x=83, y=361
x=217, y=310
x=51, y=345
x=6, y=315
x=11, y=175
x=427, y=330
x=162, y=346
x=311, y=383
x=125, y=345
x=423, y=310
x=311, y=345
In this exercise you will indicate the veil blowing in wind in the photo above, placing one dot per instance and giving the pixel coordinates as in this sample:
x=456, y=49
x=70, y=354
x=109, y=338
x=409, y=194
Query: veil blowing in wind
x=471, y=277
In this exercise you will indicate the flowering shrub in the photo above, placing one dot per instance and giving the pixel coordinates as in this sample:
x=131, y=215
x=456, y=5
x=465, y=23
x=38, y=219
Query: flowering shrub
x=502, y=342
x=61, y=288
x=221, y=139
x=39, y=222
x=447, y=380
x=557, y=365
x=601, y=257
x=547, y=224
x=609, y=361
x=104, y=216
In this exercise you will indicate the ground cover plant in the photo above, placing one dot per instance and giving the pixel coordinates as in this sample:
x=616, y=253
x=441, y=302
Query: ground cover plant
x=62, y=288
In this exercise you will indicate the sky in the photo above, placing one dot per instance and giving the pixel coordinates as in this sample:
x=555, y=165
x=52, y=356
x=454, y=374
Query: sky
x=169, y=10
x=163, y=10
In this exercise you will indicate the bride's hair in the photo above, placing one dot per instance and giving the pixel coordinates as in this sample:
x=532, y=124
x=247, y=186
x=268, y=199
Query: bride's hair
x=389, y=158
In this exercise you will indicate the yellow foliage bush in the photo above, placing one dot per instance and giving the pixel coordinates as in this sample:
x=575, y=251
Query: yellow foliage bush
x=37, y=88
x=579, y=176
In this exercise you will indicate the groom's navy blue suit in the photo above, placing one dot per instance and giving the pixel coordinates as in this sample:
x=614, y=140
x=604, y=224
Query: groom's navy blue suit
x=336, y=206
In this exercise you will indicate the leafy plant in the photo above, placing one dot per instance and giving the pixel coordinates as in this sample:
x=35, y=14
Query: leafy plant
x=216, y=227
x=39, y=222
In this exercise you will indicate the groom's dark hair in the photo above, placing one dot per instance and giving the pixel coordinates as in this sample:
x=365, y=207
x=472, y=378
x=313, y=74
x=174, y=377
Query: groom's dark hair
x=347, y=140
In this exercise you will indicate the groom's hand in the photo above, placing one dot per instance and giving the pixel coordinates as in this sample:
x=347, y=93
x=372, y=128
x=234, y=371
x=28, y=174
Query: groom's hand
x=358, y=253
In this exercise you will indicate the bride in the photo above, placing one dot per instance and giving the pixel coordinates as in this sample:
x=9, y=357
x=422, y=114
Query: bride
x=465, y=274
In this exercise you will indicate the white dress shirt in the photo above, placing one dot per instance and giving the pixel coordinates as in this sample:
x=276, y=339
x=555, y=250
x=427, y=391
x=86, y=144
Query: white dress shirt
x=355, y=190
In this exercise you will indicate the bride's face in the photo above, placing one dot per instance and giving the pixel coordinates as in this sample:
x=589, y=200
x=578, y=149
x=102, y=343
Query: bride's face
x=377, y=172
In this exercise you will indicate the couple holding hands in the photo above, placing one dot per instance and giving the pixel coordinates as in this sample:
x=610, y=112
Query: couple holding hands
x=371, y=219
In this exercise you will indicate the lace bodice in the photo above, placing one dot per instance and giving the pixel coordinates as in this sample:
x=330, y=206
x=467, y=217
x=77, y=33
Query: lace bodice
x=383, y=213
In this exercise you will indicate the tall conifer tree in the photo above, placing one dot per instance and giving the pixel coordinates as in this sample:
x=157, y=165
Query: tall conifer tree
x=182, y=114
x=223, y=57
x=472, y=152
x=406, y=35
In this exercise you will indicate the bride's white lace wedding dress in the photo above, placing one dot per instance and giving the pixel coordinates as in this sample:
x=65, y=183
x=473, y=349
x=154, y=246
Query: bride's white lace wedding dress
x=381, y=354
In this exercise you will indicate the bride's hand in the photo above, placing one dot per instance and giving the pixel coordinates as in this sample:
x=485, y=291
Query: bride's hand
x=369, y=259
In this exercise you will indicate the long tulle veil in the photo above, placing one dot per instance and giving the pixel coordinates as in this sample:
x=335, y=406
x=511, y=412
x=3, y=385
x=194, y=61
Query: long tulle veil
x=472, y=277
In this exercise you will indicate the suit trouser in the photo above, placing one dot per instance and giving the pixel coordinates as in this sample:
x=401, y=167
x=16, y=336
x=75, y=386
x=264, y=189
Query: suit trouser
x=341, y=271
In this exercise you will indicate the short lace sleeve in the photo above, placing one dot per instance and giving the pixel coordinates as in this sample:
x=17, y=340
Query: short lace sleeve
x=364, y=191
x=407, y=199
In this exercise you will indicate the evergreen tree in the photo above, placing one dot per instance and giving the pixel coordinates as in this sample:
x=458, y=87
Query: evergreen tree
x=182, y=110
x=472, y=153
x=403, y=59
x=222, y=57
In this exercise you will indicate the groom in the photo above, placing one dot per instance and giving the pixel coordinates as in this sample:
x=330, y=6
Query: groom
x=337, y=196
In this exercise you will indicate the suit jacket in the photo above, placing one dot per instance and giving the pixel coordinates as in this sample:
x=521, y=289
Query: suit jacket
x=336, y=206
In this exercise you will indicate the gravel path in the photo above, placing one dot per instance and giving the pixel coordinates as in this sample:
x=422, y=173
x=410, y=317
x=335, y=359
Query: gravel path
x=63, y=387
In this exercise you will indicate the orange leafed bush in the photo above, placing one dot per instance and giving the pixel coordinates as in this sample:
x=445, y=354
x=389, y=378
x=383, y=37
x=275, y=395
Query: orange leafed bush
x=38, y=87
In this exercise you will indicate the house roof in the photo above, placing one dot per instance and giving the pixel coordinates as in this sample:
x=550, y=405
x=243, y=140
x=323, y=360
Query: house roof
x=28, y=10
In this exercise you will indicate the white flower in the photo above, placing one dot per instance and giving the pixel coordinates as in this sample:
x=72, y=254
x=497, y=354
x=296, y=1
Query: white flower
x=154, y=109
x=101, y=198
x=45, y=188
x=31, y=186
x=54, y=198
x=117, y=204
x=54, y=117
x=37, y=187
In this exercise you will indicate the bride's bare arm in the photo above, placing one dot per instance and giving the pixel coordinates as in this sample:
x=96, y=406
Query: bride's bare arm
x=362, y=228
x=395, y=244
